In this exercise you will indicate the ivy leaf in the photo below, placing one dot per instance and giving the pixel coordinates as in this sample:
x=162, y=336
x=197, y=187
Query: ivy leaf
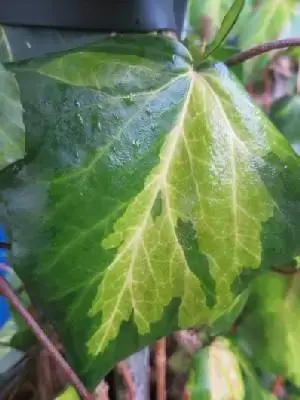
x=221, y=371
x=227, y=24
x=226, y=321
x=271, y=319
x=265, y=23
x=5, y=50
x=214, y=9
x=150, y=195
x=285, y=115
x=20, y=43
x=253, y=387
x=216, y=373
x=12, y=130
x=223, y=53
x=259, y=29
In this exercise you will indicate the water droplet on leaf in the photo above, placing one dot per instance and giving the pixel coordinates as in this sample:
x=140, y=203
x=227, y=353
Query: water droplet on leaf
x=128, y=100
x=79, y=116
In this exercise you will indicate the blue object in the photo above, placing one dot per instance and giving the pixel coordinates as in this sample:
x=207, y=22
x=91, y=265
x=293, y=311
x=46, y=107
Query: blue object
x=4, y=305
x=4, y=311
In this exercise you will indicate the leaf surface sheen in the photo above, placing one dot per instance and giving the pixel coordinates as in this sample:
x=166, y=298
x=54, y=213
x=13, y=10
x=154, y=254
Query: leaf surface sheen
x=147, y=196
x=206, y=189
x=12, y=130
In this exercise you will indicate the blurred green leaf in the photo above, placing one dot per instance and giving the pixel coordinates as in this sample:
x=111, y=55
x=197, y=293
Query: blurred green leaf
x=214, y=9
x=222, y=53
x=22, y=340
x=265, y=23
x=216, y=373
x=224, y=323
x=180, y=361
x=6, y=333
x=20, y=43
x=253, y=387
x=269, y=331
x=8, y=354
x=69, y=394
x=5, y=50
x=12, y=129
x=226, y=26
x=285, y=114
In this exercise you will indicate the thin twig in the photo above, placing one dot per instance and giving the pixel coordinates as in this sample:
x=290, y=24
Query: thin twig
x=127, y=379
x=6, y=291
x=160, y=366
x=261, y=49
x=267, y=95
x=279, y=381
x=102, y=391
x=205, y=32
x=186, y=394
x=286, y=270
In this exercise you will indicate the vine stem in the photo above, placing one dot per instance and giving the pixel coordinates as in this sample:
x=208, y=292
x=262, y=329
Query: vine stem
x=261, y=49
x=160, y=364
x=6, y=291
x=279, y=381
x=127, y=379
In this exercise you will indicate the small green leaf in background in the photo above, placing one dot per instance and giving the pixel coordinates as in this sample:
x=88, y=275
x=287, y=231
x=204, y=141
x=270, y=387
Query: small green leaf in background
x=5, y=50
x=264, y=24
x=69, y=394
x=254, y=389
x=285, y=114
x=213, y=9
x=23, y=42
x=216, y=373
x=226, y=26
x=223, y=53
x=269, y=330
x=9, y=355
x=150, y=195
x=221, y=371
x=225, y=322
x=12, y=130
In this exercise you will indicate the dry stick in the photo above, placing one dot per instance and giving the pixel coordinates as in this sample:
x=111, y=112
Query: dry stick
x=286, y=271
x=261, y=49
x=6, y=291
x=186, y=395
x=127, y=379
x=279, y=381
x=267, y=95
x=206, y=31
x=160, y=364
x=102, y=391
